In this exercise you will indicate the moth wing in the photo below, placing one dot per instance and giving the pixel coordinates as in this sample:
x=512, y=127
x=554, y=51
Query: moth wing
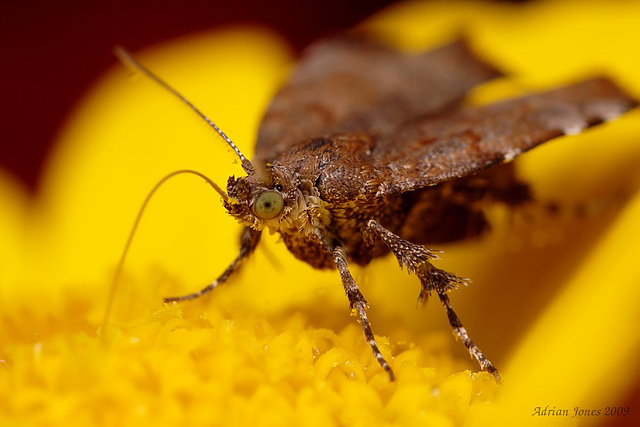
x=349, y=84
x=468, y=140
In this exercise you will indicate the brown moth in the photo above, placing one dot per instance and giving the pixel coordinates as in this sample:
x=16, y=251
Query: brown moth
x=367, y=151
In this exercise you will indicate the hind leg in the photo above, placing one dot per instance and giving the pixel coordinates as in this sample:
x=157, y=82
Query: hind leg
x=416, y=258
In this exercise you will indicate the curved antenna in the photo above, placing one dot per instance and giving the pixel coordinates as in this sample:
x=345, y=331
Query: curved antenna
x=116, y=276
x=124, y=56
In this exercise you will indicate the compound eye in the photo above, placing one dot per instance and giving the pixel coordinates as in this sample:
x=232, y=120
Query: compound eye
x=268, y=205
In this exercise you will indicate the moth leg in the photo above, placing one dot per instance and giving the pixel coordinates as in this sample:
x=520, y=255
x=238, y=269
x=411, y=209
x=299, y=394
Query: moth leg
x=416, y=259
x=248, y=242
x=359, y=304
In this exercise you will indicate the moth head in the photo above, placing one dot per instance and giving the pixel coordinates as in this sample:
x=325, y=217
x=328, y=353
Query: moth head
x=260, y=200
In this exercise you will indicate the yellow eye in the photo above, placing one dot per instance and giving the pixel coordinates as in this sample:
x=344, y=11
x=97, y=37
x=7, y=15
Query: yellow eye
x=268, y=205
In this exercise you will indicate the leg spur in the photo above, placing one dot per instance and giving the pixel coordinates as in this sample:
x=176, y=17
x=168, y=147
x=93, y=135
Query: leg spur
x=416, y=258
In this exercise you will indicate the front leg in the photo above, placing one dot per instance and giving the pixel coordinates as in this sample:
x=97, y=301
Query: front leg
x=416, y=259
x=358, y=303
x=248, y=242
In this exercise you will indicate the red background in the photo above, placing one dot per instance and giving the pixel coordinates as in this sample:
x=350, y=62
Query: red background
x=51, y=51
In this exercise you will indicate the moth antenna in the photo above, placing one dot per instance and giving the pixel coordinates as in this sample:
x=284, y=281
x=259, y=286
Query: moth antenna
x=116, y=276
x=125, y=57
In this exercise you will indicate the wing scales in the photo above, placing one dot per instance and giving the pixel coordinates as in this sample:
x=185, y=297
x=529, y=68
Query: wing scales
x=469, y=140
x=348, y=84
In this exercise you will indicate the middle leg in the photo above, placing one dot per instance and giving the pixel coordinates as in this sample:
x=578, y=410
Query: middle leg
x=359, y=304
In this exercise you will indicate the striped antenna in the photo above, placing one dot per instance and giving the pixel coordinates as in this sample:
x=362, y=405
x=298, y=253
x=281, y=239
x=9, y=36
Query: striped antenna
x=124, y=56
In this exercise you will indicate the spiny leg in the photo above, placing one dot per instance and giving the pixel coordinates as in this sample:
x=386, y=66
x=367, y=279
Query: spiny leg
x=248, y=242
x=358, y=303
x=416, y=259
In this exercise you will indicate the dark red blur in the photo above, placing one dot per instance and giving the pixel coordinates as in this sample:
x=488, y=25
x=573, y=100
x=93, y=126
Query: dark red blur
x=51, y=51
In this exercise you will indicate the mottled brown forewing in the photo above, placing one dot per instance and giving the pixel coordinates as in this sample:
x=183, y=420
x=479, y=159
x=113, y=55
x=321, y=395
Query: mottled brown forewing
x=468, y=140
x=348, y=84
x=410, y=106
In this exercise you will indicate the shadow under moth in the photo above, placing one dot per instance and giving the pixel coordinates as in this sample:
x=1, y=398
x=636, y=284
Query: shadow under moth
x=367, y=150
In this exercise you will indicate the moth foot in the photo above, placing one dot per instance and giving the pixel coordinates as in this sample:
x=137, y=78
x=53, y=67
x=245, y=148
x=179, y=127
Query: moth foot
x=461, y=332
x=359, y=305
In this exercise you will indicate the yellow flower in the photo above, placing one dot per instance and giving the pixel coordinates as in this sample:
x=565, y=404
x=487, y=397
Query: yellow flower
x=553, y=304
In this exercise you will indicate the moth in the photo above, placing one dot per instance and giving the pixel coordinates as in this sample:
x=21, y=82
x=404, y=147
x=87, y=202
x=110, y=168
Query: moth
x=367, y=150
